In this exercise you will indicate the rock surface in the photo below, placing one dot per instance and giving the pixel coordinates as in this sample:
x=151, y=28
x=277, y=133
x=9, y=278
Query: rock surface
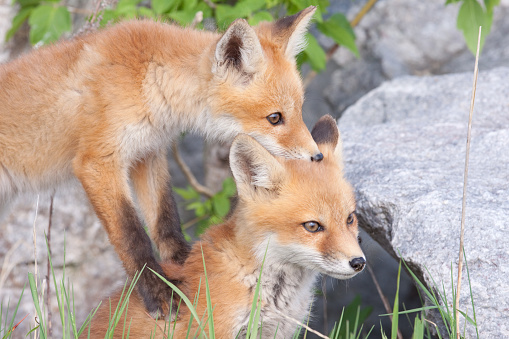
x=397, y=38
x=91, y=264
x=405, y=155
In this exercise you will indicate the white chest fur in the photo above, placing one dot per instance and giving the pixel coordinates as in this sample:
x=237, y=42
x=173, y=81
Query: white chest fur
x=286, y=291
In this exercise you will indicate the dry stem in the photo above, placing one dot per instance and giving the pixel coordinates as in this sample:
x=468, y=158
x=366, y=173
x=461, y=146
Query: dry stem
x=189, y=175
x=464, y=203
x=198, y=17
x=385, y=301
x=35, y=253
x=48, y=306
x=8, y=265
x=302, y=325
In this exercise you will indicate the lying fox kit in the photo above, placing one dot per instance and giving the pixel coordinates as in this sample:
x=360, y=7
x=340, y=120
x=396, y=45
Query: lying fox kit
x=299, y=215
x=104, y=107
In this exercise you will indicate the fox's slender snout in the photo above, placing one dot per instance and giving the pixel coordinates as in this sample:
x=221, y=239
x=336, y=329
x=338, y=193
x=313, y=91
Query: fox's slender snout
x=358, y=264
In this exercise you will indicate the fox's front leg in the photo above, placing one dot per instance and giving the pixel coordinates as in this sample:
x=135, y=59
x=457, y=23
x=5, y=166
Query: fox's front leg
x=105, y=181
x=151, y=181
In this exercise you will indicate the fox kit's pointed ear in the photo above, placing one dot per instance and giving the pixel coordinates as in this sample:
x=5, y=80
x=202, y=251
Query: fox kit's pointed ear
x=253, y=167
x=291, y=31
x=238, y=52
x=326, y=132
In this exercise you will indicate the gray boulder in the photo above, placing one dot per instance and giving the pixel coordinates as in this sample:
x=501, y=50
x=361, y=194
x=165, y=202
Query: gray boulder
x=406, y=37
x=405, y=155
x=92, y=268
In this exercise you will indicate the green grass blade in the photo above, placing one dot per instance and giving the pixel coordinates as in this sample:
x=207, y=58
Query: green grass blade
x=418, y=329
x=454, y=296
x=256, y=305
x=209, y=301
x=11, y=324
x=195, y=304
x=413, y=310
x=122, y=305
x=55, y=284
x=471, y=294
x=395, y=310
x=183, y=296
x=35, y=297
x=175, y=322
x=88, y=319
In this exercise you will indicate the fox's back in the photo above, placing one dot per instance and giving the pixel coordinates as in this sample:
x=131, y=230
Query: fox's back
x=56, y=98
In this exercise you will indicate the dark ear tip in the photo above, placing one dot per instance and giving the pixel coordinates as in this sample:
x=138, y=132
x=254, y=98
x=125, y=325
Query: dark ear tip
x=239, y=22
x=328, y=118
x=325, y=131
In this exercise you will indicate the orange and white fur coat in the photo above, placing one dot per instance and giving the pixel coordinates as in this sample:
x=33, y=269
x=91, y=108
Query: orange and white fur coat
x=299, y=215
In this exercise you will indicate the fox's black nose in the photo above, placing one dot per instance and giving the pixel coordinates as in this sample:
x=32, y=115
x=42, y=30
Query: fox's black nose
x=358, y=264
x=317, y=157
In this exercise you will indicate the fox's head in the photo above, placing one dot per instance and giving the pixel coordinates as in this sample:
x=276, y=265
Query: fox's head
x=257, y=89
x=305, y=211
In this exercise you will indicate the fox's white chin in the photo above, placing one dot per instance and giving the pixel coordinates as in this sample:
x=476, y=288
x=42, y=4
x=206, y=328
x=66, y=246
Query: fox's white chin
x=341, y=276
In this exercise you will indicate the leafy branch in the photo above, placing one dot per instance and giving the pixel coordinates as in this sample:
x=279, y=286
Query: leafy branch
x=471, y=15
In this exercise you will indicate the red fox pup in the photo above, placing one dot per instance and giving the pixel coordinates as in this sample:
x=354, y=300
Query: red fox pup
x=104, y=107
x=301, y=215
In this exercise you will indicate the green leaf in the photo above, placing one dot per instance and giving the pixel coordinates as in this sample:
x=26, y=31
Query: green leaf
x=108, y=15
x=214, y=220
x=448, y=2
x=183, y=17
x=200, y=211
x=48, y=23
x=26, y=3
x=221, y=205
x=229, y=187
x=163, y=6
x=225, y=14
x=146, y=12
x=338, y=28
x=195, y=205
x=490, y=4
x=246, y=7
x=314, y=54
x=321, y=9
x=18, y=20
x=201, y=227
x=206, y=10
x=299, y=5
x=470, y=16
x=259, y=17
x=188, y=194
x=189, y=5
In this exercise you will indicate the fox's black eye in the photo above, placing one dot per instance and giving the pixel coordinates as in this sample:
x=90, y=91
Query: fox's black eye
x=350, y=219
x=312, y=226
x=275, y=118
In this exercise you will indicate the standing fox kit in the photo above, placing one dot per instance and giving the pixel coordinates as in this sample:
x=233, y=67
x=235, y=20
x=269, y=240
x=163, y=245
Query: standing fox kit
x=299, y=216
x=103, y=108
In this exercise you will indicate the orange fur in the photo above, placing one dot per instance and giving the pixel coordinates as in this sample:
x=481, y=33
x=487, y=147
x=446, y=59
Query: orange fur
x=103, y=108
x=276, y=196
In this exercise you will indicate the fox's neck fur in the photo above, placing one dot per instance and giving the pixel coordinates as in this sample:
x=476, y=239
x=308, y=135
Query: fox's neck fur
x=285, y=289
x=177, y=85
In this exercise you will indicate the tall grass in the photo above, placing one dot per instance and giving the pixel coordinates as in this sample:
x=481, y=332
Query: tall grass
x=348, y=326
